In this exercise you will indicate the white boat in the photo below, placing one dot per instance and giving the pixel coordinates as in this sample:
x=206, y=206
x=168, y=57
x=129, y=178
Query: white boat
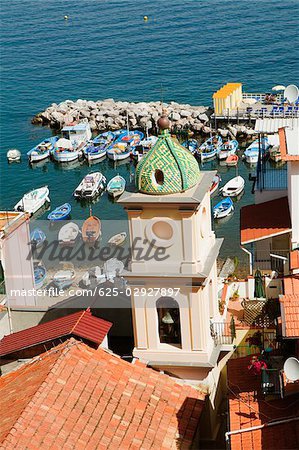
x=251, y=154
x=233, y=187
x=13, y=155
x=91, y=185
x=118, y=239
x=116, y=186
x=215, y=183
x=124, y=144
x=42, y=150
x=68, y=234
x=64, y=278
x=70, y=146
x=223, y=208
x=112, y=268
x=33, y=200
x=210, y=147
x=228, y=148
x=93, y=276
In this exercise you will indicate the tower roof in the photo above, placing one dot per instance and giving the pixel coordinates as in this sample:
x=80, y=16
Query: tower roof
x=168, y=167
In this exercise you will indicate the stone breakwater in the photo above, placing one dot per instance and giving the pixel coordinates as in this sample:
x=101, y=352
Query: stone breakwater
x=113, y=115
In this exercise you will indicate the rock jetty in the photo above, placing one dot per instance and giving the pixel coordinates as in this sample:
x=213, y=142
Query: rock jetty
x=110, y=114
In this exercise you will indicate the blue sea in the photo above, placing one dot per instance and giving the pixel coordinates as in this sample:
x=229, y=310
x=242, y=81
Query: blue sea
x=184, y=52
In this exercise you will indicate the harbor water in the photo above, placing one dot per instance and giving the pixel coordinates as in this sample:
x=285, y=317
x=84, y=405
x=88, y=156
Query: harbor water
x=184, y=52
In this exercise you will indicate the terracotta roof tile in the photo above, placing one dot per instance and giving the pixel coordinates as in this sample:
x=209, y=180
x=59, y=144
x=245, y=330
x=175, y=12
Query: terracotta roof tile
x=82, y=324
x=291, y=285
x=264, y=220
x=294, y=260
x=74, y=396
x=289, y=305
x=247, y=408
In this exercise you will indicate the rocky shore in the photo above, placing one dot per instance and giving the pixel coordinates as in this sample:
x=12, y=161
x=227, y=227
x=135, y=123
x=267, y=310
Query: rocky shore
x=112, y=115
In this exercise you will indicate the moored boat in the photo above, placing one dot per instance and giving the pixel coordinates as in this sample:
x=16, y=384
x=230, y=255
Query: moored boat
x=13, y=155
x=93, y=276
x=68, y=234
x=118, y=239
x=70, y=146
x=124, y=144
x=215, y=184
x=37, y=237
x=64, y=151
x=228, y=148
x=96, y=148
x=42, y=150
x=233, y=187
x=223, y=208
x=116, y=186
x=32, y=201
x=91, y=229
x=191, y=145
x=210, y=148
x=64, y=278
x=232, y=160
x=62, y=212
x=91, y=185
x=252, y=152
x=40, y=275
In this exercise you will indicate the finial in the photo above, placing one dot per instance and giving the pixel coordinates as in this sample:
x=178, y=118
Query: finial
x=163, y=123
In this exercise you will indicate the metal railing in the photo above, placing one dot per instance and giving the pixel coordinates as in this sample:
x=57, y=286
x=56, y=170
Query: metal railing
x=223, y=332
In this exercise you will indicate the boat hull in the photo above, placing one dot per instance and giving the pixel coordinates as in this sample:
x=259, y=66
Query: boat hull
x=118, y=156
x=36, y=157
x=31, y=206
x=65, y=157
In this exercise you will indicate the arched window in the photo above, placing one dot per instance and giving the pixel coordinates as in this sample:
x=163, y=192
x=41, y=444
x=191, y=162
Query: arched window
x=169, y=321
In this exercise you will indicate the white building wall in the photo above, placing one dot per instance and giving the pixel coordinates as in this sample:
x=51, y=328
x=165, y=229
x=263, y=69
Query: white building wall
x=293, y=197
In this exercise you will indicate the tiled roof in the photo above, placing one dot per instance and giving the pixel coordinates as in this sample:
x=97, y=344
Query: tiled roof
x=81, y=324
x=265, y=220
x=294, y=260
x=289, y=305
x=291, y=285
x=247, y=408
x=77, y=397
x=288, y=142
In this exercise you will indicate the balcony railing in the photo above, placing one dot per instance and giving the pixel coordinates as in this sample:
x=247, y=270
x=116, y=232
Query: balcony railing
x=223, y=332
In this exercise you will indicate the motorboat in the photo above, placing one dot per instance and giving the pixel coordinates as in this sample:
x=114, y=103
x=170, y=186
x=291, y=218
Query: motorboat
x=91, y=229
x=91, y=185
x=64, y=278
x=223, y=208
x=124, y=144
x=74, y=138
x=40, y=275
x=62, y=212
x=116, y=186
x=232, y=160
x=256, y=148
x=94, y=276
x=42, y=150
x=64, y=151
x=191, y=145
x=227, y=149
x=68, y=234
x=96, y=148
x=233, y=187
x=215, y=184
x=210, y=147
x=118, y=239
x=33, y=200
x=13, y=155
x=37, y=237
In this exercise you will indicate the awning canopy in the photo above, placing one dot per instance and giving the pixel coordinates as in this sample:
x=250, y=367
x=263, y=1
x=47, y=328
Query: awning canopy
x=265, y=220
x=271, y=125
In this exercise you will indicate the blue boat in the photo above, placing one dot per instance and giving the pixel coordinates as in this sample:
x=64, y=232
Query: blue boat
x=37, y=237
x=191, y=145
x=60, y=213
x=96, y=149
x=40, y=275
x=251, y=154
x=210, y=147
x=228, y=148
x=223, y=208
x=42, y=150
x=124, y=144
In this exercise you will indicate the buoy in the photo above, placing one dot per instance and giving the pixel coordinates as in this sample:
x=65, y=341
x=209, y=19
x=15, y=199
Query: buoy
x=145, y=18
x=66, y=17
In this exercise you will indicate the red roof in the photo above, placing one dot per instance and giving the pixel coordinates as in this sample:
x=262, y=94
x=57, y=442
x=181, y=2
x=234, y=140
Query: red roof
x=81, y=324
x=294, y=260
x=291, y=285
x=247, y=408
x=76, y=397
x=289, y=305
x=265, y=220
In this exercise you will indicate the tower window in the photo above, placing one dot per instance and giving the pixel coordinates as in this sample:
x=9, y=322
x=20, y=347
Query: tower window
x=169, y=321
x=159, y=177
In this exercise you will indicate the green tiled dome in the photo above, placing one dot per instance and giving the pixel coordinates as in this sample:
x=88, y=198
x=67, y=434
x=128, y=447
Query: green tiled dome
x=167, y=168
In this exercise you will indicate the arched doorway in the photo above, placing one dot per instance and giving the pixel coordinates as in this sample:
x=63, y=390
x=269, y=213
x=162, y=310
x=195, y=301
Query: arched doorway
x=169, y=324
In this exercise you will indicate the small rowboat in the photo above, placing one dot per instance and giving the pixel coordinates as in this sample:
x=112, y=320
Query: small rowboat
x=233, y=187
x=68, y=234
x=191, y=145
x=63, y=279
x=210, y=147
x=232, y=160
x=91, y=229
x=215, y=184
x=223, y=208
x=60, y=213
x=40, y=275
x=33, y=200
x=37, y=237
x=42, y=150
x=228, y=148
x=116, y=186
x=252, y=152
x=118, y=239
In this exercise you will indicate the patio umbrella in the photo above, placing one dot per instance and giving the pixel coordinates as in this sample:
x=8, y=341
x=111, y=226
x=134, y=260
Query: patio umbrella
x=258, y=285
x=279, y=87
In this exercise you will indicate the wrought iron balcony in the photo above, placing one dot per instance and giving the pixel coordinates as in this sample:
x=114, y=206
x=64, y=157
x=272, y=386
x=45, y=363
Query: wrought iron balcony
x=223, y=332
